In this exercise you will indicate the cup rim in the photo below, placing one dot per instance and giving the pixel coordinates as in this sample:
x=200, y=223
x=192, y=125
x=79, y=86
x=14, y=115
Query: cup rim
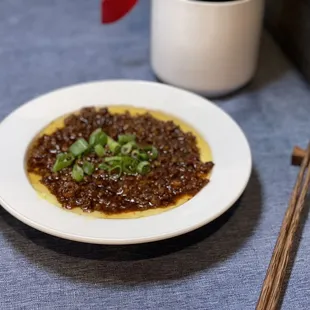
x=209, y=3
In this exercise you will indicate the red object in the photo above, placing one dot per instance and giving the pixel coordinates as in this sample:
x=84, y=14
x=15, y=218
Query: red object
x=113, y=10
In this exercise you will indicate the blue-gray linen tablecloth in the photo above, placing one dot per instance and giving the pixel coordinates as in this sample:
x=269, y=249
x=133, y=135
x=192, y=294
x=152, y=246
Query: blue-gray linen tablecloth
x=53, y=43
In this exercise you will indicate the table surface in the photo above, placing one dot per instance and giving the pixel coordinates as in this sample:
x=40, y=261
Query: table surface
x=49, y=44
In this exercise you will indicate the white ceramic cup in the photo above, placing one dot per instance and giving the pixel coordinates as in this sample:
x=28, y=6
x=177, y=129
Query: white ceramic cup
x=207, y=47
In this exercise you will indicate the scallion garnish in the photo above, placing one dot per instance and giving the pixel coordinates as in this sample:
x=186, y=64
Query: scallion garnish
x=102, y=139
x=63, y=160
x=113, y=159
x=128, y=157
x=104, y=166
x=151, y=151
x=99, y=150
x=128, y=147
x=135, y=154
x=88, y=168
x=129, y=165
x=77, y=173
x=78, y=147
x=143, y=156
x=98, y=137
x=114, y=146
x=143, y=167
x=93, y=137
x=123, y=139
x=116, y=170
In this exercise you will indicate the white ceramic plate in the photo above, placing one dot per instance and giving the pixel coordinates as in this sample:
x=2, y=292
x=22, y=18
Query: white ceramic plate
x=230, y=149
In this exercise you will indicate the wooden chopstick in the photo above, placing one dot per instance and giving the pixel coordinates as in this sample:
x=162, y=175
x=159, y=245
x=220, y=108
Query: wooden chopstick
x=298, y=155
x=271, y=290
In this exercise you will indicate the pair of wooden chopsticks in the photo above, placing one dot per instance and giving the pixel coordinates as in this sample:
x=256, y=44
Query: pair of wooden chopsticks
x=272, y=287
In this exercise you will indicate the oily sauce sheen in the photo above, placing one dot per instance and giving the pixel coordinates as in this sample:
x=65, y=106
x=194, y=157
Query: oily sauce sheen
x=176, y=175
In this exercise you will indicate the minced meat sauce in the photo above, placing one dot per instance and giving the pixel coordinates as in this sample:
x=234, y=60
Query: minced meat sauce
x=177, y=171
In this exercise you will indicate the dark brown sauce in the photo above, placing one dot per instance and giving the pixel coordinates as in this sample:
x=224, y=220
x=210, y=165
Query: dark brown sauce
x=177, y=172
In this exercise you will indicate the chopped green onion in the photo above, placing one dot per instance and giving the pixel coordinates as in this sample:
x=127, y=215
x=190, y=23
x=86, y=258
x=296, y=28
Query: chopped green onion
x=129, y=165
x=143, y=167
x=151, y=151
x=113, y=146
x=123, y=139
x=78, y=147
x=98, y=137
x=103, y=139
x=77, y=173
x=104, y=166
x=93, y=137
x=143, y=156
x=139, y=155
x=63, y=160
x=88, y=168
x=117, y=169
x=113, y=159
x=127, y=148
x=99, y=150
x=135, y=154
